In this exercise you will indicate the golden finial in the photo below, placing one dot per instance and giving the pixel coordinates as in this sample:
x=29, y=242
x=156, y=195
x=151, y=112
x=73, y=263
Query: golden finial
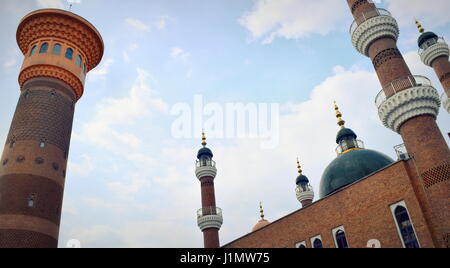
x=419, y=26
x=203, y=138
x=341, y=121
x=261, y=210
x=299, y=167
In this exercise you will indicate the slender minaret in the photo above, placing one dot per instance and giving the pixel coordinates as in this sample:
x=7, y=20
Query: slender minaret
x=434, y=52
x=59, y=48
x=209, y=217
x=409, y=106
x=304, y=190
x=262, y=222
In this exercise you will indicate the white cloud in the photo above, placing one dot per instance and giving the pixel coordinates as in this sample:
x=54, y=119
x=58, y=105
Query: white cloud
x=179, y=53
x=101, y=71
x=431, y=13
x=82, y=168
x=10, y=63
x=162, y=22
x=126, y=54
x=137, y=24
x=106, y=129
x=51, y=4
x=292, y=19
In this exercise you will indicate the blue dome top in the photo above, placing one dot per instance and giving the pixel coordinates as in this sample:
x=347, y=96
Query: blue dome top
x=345, y=133
x=204, y=151
x=351, y=167
x=302, y=179
x=424, y=37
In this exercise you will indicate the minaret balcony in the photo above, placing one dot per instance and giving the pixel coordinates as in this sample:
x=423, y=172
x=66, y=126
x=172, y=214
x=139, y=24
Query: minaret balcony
x=346, y=146
x=370, y=26
x=304, y=192
x=433, y=49
x=206, y=169
x=445, y=102
x=406, y=98
x=209, y=218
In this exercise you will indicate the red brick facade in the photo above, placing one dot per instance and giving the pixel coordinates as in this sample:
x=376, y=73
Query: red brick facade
x=210, y=236
x=362, y=208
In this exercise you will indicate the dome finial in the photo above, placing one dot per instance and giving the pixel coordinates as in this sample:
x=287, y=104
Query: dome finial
x=299, y=167
x=419, y=26
x=341, y=121
x=203, y=138
x=261, y=210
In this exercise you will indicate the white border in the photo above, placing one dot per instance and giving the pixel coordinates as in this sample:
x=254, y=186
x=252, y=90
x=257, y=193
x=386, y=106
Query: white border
x=393, y=208
x=335, y=230
x=314, y=238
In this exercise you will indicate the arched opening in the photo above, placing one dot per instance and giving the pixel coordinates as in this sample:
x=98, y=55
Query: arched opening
x=317, y=243
x=56, y=49
x=33, y=51
x=79, y=60
x=341, y=240
x=406, y=229
x=69, y=53
x=44, y=48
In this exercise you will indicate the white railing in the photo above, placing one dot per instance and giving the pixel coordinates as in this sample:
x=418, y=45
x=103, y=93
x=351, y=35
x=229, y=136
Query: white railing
x=399, y=85
x=345, y=146
x=304, y=188
x=401, y=152
x=430, y=43
x=205, y=163
x=208, y=211
x=368, y=15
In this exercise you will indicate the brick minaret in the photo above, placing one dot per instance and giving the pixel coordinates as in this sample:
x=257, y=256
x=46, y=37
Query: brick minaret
x=59, y=48
x=434, y=52
x=409, y=106
x=209, y=217
x=304, y=190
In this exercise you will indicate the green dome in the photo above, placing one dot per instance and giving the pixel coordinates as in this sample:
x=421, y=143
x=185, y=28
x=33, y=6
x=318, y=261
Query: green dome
x=204, y=151
x=302, y=179
x=344, y=133
x=425, y=37
x=351, y=167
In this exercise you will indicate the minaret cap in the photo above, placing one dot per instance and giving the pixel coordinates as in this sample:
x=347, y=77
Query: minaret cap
x=299, y=167
x=419, y=26
x=204, y=138
x=261, y=210
x=341, y=121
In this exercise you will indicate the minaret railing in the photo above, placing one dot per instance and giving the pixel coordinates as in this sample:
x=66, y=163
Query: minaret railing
x=368, y=15
x=208, y=211
x=430, y=43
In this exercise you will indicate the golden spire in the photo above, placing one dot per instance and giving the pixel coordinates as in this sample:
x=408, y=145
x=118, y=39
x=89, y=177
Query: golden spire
x=341, y=121
x=203, y=138
x=299, y=167
x=261, y=210
x=419, y=26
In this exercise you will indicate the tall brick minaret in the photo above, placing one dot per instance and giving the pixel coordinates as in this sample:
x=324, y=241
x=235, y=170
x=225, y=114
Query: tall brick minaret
x=209, y=217
x=409, y=106
x=434, y=52
x=59, y=48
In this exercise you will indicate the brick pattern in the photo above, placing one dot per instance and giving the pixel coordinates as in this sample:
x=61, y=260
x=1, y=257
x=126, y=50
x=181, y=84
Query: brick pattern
x=444, y=77
x=385, y=56
x=436, y=175
x=17, y=189
x=43, y=116
x=359, y=6
x=208, y=193
x=362, y=208
x=25, y=239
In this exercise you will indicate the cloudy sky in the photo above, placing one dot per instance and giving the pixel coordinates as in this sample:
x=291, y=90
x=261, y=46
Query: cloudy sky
x=131, y=181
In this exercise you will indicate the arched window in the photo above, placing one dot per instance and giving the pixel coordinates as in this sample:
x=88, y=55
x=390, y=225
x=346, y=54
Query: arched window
x=302, y=246
x=79, y=60
x=317, y=243
x=44, y=48
x=85, y=68
x=57, y=49
x=341, y=240
x=33, y=51
x=69, y=53
x=405, y=227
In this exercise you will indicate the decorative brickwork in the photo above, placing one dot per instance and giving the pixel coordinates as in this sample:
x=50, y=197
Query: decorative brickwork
x=385, y=56
x=43, y=117
x=26, y=239
x=53, y=72
x=444, y=77
x=436, y=175
x=61, y=25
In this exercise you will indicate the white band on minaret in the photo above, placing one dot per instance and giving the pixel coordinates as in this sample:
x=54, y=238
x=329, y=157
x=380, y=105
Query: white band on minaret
x=373, y=29
x=304, y=195
x=409, y=103
x=206, y=171
x=433, y=52
x=210, y=222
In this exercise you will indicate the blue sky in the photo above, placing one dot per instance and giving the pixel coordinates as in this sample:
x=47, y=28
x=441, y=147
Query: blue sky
x=130, y=183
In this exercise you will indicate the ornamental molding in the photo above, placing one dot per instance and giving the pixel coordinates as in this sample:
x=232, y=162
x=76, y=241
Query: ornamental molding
x=210, y=222
x=54, y=72
x=409, y=103
x=302, y=196
x=206, y=171
x=433, y=52
x=373, y=29
x=446, y=104
x=58, y=24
